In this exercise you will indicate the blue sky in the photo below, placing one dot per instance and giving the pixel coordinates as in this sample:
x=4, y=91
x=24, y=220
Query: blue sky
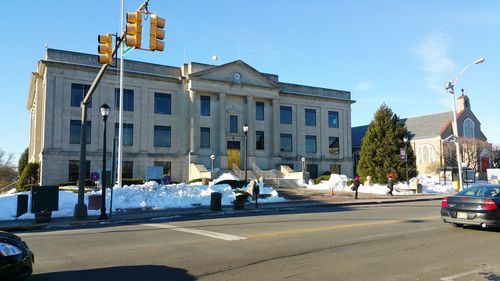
x=397, y=52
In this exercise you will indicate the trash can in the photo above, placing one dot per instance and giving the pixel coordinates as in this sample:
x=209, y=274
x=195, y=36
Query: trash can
x=215, y=201
x=44, y=200
x=22, y=205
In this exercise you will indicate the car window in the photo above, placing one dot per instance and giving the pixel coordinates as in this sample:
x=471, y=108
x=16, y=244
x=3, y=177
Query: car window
x=488, y=191
x=468, y=192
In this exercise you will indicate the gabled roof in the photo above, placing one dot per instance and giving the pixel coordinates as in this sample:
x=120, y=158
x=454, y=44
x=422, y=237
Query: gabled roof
x=420, y=127
x=357, y=135
x=428, y=125
x=237, y=63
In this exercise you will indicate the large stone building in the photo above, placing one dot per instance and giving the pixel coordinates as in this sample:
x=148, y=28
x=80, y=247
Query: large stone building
x=176, y=114
x=431, y=137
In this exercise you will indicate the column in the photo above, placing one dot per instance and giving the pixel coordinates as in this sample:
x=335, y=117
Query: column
x=276, y=128
x=222, y=124
x=251, y=126
x=193, y=122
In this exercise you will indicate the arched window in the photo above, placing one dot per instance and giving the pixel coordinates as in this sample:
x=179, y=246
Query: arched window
x=426, y=154
x=468, y=128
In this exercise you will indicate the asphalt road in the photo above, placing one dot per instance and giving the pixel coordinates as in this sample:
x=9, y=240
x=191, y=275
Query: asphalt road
x=405, y=241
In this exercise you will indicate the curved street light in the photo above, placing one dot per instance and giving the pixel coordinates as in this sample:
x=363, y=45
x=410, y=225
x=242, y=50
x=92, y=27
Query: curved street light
x=449, y=87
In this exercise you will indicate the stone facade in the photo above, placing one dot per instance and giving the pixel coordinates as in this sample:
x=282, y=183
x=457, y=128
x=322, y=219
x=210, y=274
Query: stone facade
x=207, y=108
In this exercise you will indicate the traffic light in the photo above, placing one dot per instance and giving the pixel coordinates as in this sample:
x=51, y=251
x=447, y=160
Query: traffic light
x=134, y=29
x=156, y=33
x=105, y=49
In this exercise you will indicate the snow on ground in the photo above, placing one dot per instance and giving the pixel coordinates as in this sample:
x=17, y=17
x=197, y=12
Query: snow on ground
x=148, y=195
x=430, y=185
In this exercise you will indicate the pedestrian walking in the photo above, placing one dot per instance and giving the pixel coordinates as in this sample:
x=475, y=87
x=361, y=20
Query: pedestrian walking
x=256, y=193
x=356, y=187
x=390, y=185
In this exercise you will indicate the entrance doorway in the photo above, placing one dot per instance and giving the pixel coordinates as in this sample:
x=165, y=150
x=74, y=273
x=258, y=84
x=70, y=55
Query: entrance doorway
x=233, y=154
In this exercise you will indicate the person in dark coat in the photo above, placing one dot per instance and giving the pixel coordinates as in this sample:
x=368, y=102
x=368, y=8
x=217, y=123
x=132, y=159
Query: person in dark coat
x=356, y=187
x=390, y=185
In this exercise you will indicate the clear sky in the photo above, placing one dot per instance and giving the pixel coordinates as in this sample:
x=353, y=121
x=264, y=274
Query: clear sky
x=397, y=52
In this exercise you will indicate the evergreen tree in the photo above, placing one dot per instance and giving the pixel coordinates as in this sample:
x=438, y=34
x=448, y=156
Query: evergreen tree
x=23, y=161
x=380, y=149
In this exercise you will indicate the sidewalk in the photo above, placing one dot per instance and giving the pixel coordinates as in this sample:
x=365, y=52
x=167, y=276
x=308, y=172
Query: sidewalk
x=296, y=198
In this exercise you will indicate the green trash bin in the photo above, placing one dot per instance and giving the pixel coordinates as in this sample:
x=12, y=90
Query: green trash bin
x=215, y=201
x=44, y=200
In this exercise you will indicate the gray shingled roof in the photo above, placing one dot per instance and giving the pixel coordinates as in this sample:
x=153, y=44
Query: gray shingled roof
x=419, y=127
x=428, y=125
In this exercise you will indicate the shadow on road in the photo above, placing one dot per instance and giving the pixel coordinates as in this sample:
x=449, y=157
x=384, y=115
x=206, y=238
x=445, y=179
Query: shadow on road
x=122, y=273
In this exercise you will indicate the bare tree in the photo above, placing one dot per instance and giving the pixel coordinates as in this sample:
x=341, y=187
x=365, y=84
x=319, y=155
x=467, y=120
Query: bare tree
x=470, y=152
x=7, y=172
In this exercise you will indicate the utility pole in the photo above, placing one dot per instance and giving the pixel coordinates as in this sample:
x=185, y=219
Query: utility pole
x=80, y=210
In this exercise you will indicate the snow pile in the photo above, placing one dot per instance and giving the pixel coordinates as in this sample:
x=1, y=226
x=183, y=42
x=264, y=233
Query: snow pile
x=430, y=185
x=336, y=182
x=147, y=195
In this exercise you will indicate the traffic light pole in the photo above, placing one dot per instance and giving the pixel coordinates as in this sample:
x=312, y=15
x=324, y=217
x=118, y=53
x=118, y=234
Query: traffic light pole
x=80, y=211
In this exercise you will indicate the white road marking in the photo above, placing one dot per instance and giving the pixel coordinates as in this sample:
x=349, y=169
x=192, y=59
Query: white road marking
x=452, y=277
x=484, y=269
x=217, y=235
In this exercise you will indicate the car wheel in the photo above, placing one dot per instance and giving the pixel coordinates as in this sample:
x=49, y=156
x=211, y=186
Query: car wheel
x=456, y=224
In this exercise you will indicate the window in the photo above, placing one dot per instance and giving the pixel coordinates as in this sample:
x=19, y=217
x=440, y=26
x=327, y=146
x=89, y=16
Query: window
x=259, y=111
x=259, y=140
x=75, y=128
x=162, y=137
x=167, y=167
x=128, y=99
x=426, y=154
x=285, y=115
x=74, y=170
x=333, y=119
x=204, y=137
x=310, y=116
x=233, y=124
x=163, y=103
x=128, y=133
x=127, y=169
x=333, y=145
x=286, y=142
x=204, y=105
x=468, y=128
x=311, y=144
x=335, y=169
x=312, y=169
x=78, y=92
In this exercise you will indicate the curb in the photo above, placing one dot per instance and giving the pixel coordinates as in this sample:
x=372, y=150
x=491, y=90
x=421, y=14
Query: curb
x=154, y=216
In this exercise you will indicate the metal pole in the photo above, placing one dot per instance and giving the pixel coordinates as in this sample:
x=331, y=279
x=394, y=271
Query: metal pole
x=120, y=112
x=103, y=215
x=113, y=177
x=455, y=132
x=246, y=156
x=80, y=210
x=406, y=162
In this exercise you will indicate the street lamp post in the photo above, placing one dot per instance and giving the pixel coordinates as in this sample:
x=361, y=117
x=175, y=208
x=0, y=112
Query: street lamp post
x=212, y=158
x=449, y=86
x=405, y=139
x=105, y=114
x=245, y=130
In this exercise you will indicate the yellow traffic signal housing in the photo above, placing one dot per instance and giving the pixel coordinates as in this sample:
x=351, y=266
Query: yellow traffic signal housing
x=134, y=29
x=105, y=49
x=156, y=33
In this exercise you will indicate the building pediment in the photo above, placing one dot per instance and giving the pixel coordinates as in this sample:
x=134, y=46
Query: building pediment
x=234, y=73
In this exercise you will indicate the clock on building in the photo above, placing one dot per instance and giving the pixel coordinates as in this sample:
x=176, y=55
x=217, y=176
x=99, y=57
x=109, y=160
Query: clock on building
x=237, y=76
